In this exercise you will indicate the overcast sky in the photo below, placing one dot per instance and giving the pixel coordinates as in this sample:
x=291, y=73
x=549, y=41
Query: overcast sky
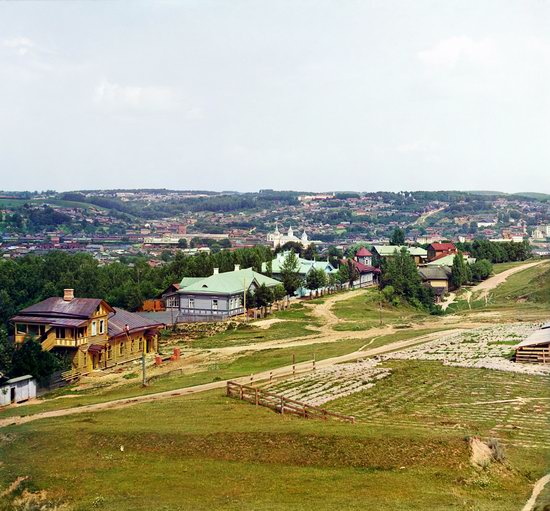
x=242, y=95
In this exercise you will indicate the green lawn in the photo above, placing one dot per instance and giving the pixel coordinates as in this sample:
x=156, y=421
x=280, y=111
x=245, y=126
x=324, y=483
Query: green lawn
x=211, y=452
x=365, y=311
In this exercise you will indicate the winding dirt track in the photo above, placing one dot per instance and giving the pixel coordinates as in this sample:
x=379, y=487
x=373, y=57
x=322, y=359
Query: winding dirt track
x=282, y=371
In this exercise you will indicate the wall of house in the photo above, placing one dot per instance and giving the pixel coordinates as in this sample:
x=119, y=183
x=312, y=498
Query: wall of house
x=203, y=304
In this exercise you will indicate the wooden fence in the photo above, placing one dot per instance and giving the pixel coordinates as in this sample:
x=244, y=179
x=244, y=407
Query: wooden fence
x=282, y=404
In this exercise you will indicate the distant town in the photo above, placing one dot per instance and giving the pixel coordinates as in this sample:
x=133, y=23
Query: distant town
x=114, y=224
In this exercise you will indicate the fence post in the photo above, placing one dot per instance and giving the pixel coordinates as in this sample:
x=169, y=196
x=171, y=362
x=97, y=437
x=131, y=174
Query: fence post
x=241, y=392
x=228, y=391
x=282, y=405
x=270, y=376
x=257, y=397
x=314, y=361
x=293, y=363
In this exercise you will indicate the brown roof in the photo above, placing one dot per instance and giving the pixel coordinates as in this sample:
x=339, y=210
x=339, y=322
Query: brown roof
x=120, y=318
x=49, y=320
x=57, y=307
x=443, y=247
x=363, y=252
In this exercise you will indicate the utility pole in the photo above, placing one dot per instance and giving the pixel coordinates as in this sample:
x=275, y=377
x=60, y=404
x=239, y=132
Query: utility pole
x=244, y=300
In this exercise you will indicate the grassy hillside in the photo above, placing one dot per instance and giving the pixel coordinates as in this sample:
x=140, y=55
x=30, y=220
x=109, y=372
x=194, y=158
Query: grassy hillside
x=211, y=452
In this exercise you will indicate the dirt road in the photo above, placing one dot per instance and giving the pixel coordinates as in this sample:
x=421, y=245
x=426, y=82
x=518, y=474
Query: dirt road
x=282, y=371
x=495, y=281
x=539, y=486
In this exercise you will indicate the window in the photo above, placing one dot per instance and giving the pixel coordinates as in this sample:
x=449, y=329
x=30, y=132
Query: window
x=109, y=352
x=121, y=348
x=215, y=305
x=133, y=345
x=140, y=344
x=60, y=332
x=191, y=303
x=94, y=328
x=101, y=326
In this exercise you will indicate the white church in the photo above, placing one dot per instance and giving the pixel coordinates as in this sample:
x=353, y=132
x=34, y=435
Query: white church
x=279, y=239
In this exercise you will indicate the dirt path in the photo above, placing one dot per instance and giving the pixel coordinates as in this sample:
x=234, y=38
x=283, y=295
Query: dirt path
x=279, y=372
x=539, y=486
x=422, y=218
x=498, y=279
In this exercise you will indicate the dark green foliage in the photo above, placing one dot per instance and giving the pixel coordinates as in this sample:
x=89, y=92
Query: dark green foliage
x=481, y=270
x=29, y=358
x=6, y=352
x=397, y=237
x=460, y=272
x=316, y=279
x=401, y=274
x=289, y=273
x=503, y=252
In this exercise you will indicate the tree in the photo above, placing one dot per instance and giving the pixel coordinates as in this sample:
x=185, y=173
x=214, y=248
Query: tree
x=397, y=237
x=460, y=271
x=182, y=243
x=263, y=296
x=31, y=359
x=347, y=273
x=481, y=270
x=316, y=279
x=290, y=273
x=310, y=253
x=6, y=352
x=278, y=293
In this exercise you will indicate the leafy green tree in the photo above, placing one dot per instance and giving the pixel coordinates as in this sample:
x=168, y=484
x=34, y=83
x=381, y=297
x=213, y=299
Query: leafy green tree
x=310, y=253
x=278, y=293
x=481, y=270
x=290, y=273
x=29, y=358
x=6, y=352
x=263, y=296
x=182, y=243
x=316, y=279
x=460, y=271
x=397, y=237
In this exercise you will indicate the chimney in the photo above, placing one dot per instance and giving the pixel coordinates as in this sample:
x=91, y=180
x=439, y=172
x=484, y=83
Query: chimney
x=68, y=294
x=216, y=271
x=237, y=267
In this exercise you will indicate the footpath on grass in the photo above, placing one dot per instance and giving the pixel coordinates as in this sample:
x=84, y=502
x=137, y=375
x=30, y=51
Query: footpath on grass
x=275, y=373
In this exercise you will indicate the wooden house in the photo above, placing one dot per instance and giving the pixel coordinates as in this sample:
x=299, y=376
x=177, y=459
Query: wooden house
x=87, y=332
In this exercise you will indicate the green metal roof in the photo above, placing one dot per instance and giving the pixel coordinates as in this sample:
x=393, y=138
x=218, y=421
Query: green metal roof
x=231, y=282
x=389, y=250
x=449, y=259
x=305, y=265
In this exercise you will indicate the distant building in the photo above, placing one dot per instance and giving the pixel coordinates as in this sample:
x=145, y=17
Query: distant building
x=304, y=265
x=437, y=250
x=380, y=252
x=438, y=278
x=279, y=239
x=362, y=262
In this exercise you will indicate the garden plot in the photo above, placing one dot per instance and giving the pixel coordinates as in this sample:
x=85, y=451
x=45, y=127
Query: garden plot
x=331, y=382
x=486, y=347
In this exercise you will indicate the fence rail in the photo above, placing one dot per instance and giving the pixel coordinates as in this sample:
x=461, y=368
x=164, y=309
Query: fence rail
x=282, y=404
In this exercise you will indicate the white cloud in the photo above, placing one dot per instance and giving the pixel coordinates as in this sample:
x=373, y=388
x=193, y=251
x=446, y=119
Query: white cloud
x=417, y=146
x=20, y=45
x=450, y=52
x=137, y=98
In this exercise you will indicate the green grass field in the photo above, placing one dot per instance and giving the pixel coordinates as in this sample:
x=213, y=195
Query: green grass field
x=212, y=452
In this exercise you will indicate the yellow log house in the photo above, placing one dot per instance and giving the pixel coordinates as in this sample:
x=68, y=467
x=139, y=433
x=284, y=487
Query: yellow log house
x=87, y=331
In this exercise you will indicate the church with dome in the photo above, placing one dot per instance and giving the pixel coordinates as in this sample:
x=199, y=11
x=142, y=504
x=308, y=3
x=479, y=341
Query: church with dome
x=278, y=239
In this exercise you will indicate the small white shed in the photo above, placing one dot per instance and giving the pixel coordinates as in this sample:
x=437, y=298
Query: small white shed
x=17, y=390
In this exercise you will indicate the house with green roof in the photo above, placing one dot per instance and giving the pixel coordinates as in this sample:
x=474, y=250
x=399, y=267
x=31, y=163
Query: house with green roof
x=380, y=252
x=305, y=266
x=220, y=295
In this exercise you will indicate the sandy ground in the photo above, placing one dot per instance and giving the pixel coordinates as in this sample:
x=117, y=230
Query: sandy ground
x=539, y=486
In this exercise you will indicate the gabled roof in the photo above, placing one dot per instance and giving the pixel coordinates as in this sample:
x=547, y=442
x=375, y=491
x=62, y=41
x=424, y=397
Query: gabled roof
x=119, y=318
x=448, y=259
x=363, y=252
x=434, y=272
x=80, y=307
x=541, y=336
x=231, y=282
x=360, y=267
x=61, y=312
x=443, y=247
x=389, y=250
x=305, y=265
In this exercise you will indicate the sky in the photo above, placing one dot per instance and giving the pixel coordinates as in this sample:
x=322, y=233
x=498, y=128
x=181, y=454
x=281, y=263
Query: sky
x=361, y=95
